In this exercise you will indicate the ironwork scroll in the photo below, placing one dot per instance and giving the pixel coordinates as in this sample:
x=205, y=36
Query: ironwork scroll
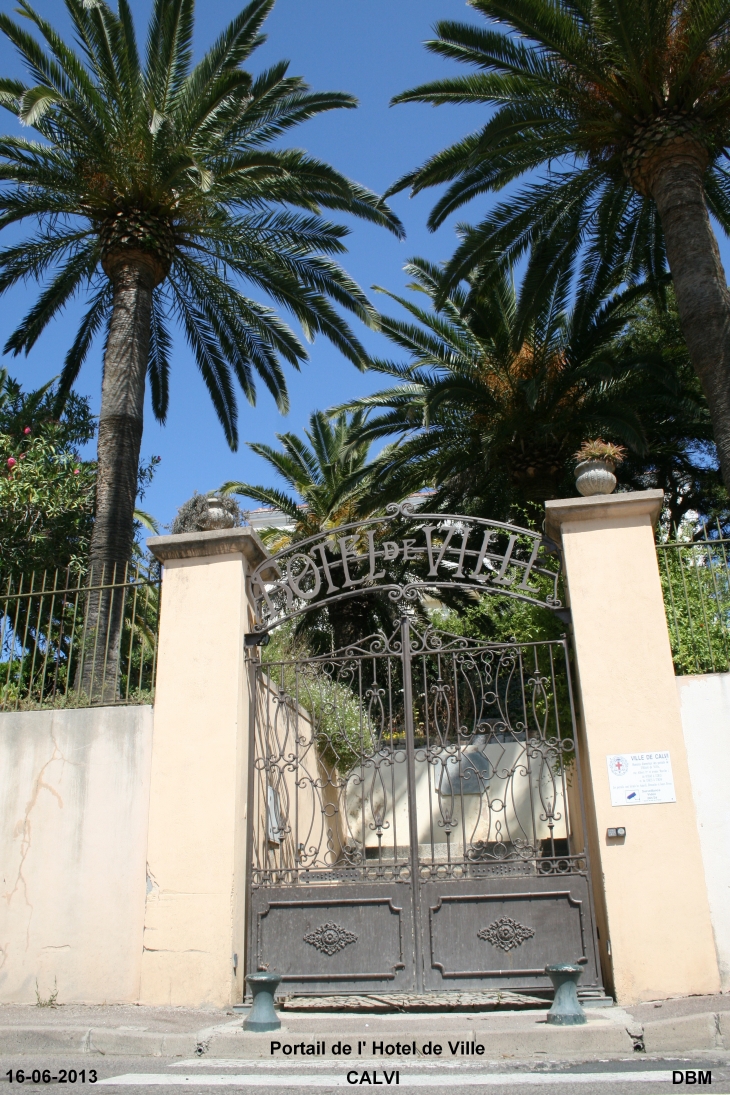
x=404, y=554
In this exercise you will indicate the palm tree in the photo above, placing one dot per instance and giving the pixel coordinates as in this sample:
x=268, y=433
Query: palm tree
x=318, y=472
x=330, y=481
x=627, y=104
x=680, y=457
x=155, y=187
x=499, y=390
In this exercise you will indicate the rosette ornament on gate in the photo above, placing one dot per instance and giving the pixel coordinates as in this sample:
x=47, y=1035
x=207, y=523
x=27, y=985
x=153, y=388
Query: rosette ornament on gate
x=330, y=938
x=506, y=933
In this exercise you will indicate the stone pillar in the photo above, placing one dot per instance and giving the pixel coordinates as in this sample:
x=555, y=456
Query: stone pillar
x=196, y=862
x=655, y=922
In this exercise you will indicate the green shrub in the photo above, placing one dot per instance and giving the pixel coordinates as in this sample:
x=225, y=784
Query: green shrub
x=341, y=726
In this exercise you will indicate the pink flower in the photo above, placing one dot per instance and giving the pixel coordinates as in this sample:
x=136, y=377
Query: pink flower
x=26, y=431
x=12, y=461
x=76, y=471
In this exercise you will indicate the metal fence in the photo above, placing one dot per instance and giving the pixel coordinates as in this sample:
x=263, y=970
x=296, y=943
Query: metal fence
x=70, y=640
x=696, y=580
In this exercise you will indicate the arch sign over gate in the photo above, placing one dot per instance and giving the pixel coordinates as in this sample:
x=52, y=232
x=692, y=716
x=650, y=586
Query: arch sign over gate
x=416, y=819
x=405, y=554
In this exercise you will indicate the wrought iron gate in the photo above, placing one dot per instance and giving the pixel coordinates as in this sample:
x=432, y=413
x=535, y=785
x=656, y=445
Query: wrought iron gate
x=417, y=820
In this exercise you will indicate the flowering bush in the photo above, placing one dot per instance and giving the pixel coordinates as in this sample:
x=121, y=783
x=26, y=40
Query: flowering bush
x=46, y=501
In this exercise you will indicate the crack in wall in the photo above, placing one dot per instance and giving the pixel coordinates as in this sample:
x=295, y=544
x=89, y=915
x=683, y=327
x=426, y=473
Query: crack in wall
x=719, y=1039
x=173, y=950
x=25, y=829
x=152, y=883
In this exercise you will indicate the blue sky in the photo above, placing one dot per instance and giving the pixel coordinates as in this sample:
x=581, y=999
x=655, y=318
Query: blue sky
x=372, y=49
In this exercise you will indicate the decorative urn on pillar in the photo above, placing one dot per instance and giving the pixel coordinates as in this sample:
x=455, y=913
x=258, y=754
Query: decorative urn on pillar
x=597, y=462
x=217, y=516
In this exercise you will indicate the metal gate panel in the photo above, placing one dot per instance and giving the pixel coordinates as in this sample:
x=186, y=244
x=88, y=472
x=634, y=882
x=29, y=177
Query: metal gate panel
x=336, y=938
x=501, y=933
x=417, y=818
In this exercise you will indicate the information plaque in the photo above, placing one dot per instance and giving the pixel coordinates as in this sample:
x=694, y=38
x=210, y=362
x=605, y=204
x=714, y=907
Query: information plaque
x=639, y=779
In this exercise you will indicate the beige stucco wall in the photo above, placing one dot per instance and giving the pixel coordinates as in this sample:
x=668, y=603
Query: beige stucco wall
x=195, y=916
x=658, y=918
x=74, y=798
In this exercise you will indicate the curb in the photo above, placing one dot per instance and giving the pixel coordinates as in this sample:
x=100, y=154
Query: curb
x=95, y=1041
x=498, y=1043
x=709, y=1030
x=706, y=1031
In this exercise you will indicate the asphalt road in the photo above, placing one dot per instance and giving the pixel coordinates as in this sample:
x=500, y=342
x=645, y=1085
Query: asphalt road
x=201, y=1076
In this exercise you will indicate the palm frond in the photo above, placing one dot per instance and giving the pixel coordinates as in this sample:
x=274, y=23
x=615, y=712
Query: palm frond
x=193, y=151
x=94, y=319
x=268, y=496
x=158, y=365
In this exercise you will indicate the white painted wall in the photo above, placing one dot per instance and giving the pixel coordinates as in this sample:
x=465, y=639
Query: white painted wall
x=705, y=703
x=74, y=804
x=512, y=791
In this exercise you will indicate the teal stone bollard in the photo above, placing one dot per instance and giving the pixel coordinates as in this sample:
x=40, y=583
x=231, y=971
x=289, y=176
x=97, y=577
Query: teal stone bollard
x=262, y=1016
x=566, y=1010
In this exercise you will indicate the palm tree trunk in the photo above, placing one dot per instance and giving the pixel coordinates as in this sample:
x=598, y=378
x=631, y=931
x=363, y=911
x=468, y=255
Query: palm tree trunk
x=120, y=438
x=700, y=286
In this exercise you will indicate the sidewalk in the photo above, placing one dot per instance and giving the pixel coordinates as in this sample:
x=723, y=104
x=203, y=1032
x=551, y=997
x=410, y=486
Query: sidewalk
x=693, y=1024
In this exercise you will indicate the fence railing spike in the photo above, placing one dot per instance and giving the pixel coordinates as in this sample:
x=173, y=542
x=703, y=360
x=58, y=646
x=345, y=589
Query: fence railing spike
x=61, y=636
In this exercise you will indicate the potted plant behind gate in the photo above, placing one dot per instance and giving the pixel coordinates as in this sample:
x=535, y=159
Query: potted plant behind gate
x=597, y=463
